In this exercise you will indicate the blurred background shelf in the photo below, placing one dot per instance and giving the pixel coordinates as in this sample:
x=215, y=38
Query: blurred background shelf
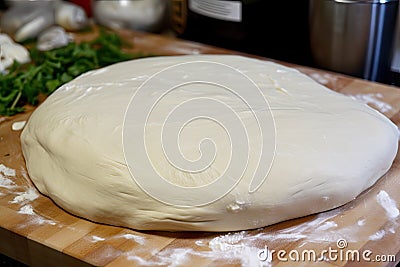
x=324, y=34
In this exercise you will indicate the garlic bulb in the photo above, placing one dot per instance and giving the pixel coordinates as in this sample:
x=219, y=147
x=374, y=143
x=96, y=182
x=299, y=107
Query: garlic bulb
x=10, y=51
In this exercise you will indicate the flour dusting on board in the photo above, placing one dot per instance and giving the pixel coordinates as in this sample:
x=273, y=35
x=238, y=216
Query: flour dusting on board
x=6, y=183
x=246, y=255
x=243, y=247
x=388, y=204
x=236, y=246
x=361, y=222
x=168, y=257
x=33, y=217
x=138, y=239
x=324, y=79
x=5, y=175
x=6, y=171
x=378, y=235
x=327, y=225
x=96, y=238
x=26, y=196
x=392, y=212
x=374, y=100
x=27, y=209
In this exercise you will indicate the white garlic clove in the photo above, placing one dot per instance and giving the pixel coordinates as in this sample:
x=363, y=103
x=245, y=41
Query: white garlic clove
x=16, y=52
x=5, y=39
x=10, y=52
x=22, y=13
x=70, y=16
x=52, y=38
x=34, y=27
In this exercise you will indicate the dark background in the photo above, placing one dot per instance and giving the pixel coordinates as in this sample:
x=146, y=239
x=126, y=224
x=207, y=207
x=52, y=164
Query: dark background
x=274, y=29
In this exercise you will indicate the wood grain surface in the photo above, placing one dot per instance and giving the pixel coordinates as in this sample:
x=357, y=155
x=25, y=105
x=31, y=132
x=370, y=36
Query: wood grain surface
x=37, y=232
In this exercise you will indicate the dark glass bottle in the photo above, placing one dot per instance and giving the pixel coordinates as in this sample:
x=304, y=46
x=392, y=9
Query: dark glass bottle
x=275, y=29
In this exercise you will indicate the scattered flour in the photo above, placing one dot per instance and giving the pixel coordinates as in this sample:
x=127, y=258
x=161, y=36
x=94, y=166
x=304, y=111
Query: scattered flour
x=236, y=246
x=6, y=171
x=33, y=218
x=319, y=230
x=6, y=183
x=138, y=239
x=27, y=209
x=361, y=222
x=96, y=238
x=327, y=225
x=392, y=212
x=388, y=204
x=243, y=247
x=377, y=236
x=5, y=174
x=26, y=196
x=169, y=257
x=374, y=100
x=323, y=78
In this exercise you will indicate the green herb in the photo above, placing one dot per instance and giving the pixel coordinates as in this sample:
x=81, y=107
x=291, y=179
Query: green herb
x=50, y=69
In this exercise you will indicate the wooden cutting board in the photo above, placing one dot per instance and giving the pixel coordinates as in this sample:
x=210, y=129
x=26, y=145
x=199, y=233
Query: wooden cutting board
x=35, y=231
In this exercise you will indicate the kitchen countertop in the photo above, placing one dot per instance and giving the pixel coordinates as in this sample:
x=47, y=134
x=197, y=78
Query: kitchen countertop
x=37, y=232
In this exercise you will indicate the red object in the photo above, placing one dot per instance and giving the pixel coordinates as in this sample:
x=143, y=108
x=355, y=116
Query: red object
x=85, y=4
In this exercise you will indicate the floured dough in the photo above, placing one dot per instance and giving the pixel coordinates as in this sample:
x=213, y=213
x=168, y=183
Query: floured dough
x=329, y=148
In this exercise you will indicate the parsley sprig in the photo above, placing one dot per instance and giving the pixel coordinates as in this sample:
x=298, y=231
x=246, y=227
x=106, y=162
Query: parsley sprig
x=50, y=69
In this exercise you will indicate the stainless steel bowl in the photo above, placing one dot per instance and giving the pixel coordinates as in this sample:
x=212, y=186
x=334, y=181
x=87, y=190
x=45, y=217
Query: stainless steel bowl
x=144, y=15
x=353, y=37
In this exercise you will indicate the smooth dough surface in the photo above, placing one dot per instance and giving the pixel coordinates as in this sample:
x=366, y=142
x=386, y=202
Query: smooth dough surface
x=329, y=148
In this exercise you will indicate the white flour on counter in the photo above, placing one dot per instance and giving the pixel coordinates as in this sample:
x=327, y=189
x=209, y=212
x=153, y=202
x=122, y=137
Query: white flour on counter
x=388, y=204
x=138, y=239
x=5, y=174
x=6, y=171
x=242, y=247
x=392, y=212
x=26, y=196
x=374, y=99
x=27, y=209
x=22, y=198
x=96, y=238
x=6, y=183
x=231, y=248
x=323, y=78
x=168, y=257
x=378, y=235
x=33, y=217
x=361, y=222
